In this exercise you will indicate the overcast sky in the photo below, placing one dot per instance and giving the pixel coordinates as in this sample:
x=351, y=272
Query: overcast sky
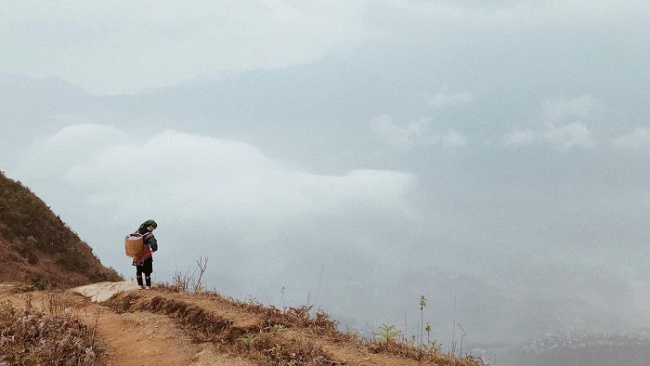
x=108, y=47
x=489, y=155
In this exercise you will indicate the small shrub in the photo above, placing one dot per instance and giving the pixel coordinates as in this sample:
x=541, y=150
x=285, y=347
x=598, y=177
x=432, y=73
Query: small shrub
x=387, y=333
x=248, y=340
x=72, y=260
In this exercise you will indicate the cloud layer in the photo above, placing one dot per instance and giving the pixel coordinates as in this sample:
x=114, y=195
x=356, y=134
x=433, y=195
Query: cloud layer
x=202, y=188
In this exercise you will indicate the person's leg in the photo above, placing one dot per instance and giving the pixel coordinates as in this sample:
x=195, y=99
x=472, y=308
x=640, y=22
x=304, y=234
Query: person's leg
x=148, y=268
x=138, y=276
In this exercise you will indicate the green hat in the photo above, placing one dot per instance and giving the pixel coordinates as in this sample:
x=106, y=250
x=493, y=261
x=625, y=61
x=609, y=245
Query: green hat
x=149, y=223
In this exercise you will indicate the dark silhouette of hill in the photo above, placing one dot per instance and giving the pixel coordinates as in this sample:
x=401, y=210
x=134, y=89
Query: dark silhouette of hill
x=37, y=248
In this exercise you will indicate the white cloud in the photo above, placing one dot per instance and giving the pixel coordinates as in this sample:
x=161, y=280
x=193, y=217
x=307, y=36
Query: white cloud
x=569, y=136
x=563, y=127
x=453, y=139
x=398, y=136
x=446, y=99
x=582, y=107
x=515, y=14
x=71, y=145
x=520, y=137
x=414, y=134
x=563, y=137
x=189, y=178
x=635, y=140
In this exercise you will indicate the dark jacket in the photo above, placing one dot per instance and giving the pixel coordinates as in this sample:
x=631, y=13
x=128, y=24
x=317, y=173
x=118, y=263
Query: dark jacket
x=150, y=246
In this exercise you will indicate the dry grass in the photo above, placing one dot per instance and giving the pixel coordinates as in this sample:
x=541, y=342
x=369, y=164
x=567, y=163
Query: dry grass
x=200, y=324
x=283, y=337
x=35, y=338
x=263, y=344
x=321, y=324
x=420, y=353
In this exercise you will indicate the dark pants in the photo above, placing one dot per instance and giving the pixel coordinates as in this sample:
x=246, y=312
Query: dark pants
x=146, y=268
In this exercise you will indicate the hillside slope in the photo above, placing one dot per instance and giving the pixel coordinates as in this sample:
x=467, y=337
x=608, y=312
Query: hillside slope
x=37, y=248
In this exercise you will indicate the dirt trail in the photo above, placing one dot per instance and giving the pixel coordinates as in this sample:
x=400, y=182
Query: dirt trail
x=127, y=339
x=141, y=338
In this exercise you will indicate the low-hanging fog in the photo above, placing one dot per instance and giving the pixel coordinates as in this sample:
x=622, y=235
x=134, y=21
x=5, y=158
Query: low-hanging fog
x=489, y=156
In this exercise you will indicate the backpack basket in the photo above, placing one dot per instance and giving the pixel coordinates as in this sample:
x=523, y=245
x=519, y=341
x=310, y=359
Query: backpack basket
x=134, y=245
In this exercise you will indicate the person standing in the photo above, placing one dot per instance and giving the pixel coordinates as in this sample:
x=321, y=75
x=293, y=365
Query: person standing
x=144, y=263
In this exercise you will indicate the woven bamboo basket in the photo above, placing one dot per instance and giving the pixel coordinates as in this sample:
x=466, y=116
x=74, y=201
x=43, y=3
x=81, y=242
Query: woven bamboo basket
x=134, y=245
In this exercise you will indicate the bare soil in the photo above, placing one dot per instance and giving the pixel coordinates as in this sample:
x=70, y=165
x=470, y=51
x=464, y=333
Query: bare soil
x=131, y=338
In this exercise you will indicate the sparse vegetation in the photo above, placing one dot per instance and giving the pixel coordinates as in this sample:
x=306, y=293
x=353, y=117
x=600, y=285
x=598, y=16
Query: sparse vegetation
x=387, y=333
x=186, y=282
x=201, y=264
x=248, y=340
x=35, y=338
x=288, y=336
x=390, y=340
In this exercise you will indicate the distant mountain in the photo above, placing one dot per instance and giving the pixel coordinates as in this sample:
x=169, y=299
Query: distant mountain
x=46, y=96
x=37, y=248
x=331, y=102
x=327, y=101
x=328, y=105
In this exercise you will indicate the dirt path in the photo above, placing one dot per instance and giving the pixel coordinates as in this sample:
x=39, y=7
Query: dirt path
x=133, y=339
x=127, y=339
x=142, y=338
